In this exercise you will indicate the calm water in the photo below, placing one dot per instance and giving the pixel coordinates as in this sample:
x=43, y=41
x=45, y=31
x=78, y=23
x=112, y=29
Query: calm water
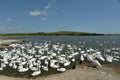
x=85, y=42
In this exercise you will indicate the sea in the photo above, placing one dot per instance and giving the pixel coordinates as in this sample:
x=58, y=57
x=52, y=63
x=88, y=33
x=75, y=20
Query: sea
x=101, y=43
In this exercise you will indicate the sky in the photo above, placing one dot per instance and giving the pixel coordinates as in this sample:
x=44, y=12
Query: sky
x=29, y=16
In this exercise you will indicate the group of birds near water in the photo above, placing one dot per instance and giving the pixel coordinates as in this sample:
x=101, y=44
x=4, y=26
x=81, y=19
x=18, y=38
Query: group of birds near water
x=46, y=55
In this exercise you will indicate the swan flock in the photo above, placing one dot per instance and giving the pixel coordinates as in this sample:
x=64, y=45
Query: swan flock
x=35, y=57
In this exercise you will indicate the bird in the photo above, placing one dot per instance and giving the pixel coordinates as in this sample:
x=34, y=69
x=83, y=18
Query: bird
x=1, y=67
x=82, y=57
x=67, y=63
x=109, y=58
x=100, y=57
x=23, y=69
x=45, y=68
x=61, y=69
x=96, y=63
x=37, y=72
x=73, y=60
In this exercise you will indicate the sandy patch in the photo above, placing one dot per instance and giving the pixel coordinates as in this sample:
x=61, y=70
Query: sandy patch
x=81, y=72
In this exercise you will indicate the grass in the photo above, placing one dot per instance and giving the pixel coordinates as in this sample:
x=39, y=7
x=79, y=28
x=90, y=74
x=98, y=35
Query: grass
x=72, y=33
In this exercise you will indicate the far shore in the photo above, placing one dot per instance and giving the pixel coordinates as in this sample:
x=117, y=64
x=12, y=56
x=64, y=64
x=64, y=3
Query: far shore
x=58, y=33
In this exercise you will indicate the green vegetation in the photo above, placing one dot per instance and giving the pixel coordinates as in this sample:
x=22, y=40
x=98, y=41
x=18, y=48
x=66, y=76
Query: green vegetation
x=72, y=33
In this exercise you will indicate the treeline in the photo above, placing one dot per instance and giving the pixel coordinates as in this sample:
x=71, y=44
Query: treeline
x=72, y=33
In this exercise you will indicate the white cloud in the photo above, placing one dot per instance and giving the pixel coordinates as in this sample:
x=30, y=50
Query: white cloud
x=8, y=29
x=35, y=13
x=45, y=12
x=9, y=19
x=38, y=13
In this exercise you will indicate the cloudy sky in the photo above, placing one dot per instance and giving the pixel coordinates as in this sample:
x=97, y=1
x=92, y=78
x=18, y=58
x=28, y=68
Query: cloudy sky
x=100, y=16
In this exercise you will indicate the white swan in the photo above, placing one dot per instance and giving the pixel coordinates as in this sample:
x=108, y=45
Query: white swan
x=23, y=69
x=109, y=58
x=37, y=72
x=73, y=59
x=1, y=67
x=67, y=63
x=14, y=65
x=61, y=69
x=53, y=65
x=45, y=68
x=96, y=63
x=89, y=57
x=100, y=57
x=82, y=57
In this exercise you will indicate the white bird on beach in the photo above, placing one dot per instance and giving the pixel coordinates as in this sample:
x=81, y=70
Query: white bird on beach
x=96, y=63
x=89, y=57
x=54, y=66
x=82, y=57
x=45, y=68
x=61, y=69
x=109, y=58
x=73, y=59
x=67, y=63
x=1, y=67
x=23, y=69
x=100, y=57
x=37, y=72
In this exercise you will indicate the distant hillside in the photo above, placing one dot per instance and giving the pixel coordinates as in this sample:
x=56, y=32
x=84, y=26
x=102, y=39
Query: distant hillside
x=112, y=34
x=72, y=33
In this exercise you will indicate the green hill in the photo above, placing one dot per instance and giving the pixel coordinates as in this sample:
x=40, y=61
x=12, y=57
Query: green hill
x=72, y=33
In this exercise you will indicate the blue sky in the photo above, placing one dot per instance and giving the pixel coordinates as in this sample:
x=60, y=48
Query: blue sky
x=99, y=16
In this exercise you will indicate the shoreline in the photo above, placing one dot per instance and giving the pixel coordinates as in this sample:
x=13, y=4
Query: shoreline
x=84, y=71
x=81, y=72
x=4, y=43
